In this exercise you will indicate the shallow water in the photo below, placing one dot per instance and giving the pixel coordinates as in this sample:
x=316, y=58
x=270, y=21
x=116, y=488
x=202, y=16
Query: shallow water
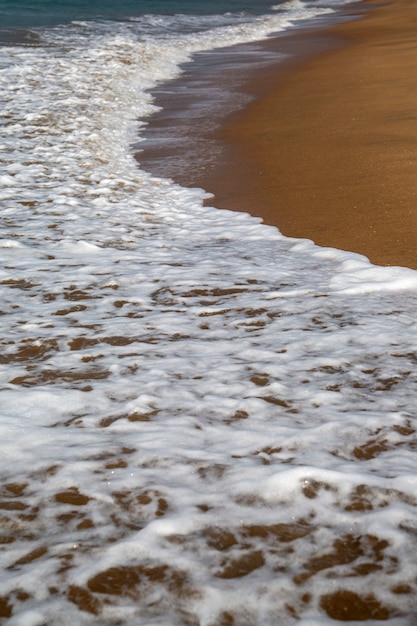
x=202, y=421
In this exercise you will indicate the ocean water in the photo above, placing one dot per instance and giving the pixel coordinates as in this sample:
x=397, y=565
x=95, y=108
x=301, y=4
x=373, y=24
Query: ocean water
x=202, y=422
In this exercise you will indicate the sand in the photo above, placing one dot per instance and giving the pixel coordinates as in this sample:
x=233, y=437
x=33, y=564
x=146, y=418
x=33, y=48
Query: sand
x=328, y=151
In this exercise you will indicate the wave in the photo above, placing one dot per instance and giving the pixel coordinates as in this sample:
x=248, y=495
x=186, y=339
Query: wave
x=202, y=421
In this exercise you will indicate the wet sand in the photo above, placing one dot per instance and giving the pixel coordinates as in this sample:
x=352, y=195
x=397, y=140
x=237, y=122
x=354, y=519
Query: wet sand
x=328, y=151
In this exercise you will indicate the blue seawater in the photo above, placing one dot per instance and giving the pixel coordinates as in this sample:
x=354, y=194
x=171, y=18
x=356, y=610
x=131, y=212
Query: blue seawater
x=35, y=13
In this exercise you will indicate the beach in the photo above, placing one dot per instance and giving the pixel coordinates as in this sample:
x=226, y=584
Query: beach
x=329, y=150
x=203, y=422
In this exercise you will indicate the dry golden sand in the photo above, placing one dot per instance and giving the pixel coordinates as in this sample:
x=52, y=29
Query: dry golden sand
x=329, y=153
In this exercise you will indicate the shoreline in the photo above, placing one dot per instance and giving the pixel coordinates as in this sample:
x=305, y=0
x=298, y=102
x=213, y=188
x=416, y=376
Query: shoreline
x=329, y=152
x=184, y=140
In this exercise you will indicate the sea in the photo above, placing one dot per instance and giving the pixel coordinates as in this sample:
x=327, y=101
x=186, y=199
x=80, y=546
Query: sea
x=202, y=422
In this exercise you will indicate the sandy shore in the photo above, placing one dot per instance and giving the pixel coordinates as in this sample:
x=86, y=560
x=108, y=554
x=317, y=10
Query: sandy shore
x=329, y=151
